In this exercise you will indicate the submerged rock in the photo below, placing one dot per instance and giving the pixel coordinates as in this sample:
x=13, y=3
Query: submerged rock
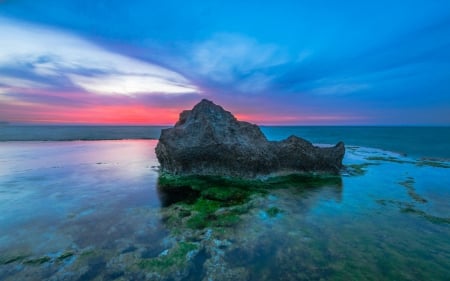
x=208, y=140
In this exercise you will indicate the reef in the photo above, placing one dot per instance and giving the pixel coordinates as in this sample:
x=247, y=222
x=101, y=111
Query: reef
x=209, y=140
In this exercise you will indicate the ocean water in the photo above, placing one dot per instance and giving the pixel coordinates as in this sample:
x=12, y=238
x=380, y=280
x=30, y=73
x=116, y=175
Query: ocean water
x=430, y=142
x=69, y=133
x=94, y=210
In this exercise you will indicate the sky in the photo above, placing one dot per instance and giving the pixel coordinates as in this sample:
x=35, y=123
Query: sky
x=281, y=62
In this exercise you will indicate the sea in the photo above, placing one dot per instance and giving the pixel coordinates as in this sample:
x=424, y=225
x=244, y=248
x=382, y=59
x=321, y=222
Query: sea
x=86, y=203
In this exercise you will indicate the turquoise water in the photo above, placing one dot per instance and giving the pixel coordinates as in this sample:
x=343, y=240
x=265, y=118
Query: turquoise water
x=412, y=141
x=93, y=210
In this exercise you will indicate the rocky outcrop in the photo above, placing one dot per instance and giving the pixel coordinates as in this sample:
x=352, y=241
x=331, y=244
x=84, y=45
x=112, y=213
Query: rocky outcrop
x=208, y=140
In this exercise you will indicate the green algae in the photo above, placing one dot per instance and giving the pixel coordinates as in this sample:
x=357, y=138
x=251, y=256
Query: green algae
x=409, y=185
x=428, y=217
x=18, y=258
x=358, y=169
x=243, y=187
x=434, y=164
x=206, y=214
x=88, y=253
x=175, y=258
x=213, y=194
x=206, y=206
x=227, y=220
x=419, y=163
x=198, y=221
x=410, y=208
x=203, y=213
x=37, y=261
x=220, y=201
x=184, y=213
x=273, y=211
x=231, y=195
x=201, y=221
x=389, y=159
x=65, y=255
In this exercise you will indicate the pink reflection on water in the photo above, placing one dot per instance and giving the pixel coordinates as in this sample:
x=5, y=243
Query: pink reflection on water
x=23, y=156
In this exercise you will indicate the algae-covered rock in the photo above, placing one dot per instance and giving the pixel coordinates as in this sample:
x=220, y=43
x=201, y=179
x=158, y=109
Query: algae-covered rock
x=208, y=140
x=173, y=264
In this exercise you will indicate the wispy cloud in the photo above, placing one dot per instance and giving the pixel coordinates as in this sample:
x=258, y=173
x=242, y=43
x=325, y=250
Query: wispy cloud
x=237, y=60
x=8, y=81
x=130, y=84
x=51, y=53
x=339, y=89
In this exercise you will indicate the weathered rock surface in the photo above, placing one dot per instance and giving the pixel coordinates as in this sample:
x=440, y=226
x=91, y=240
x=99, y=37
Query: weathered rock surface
x=208, y=140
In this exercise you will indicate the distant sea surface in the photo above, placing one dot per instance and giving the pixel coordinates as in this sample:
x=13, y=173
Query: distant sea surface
x=411, y=141
x=416, y=142
x=71, y=133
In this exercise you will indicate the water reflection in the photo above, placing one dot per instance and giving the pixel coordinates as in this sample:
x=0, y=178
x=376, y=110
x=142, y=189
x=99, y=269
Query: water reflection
x=90, y=216
x=208, y=197
x=247, y=237
x=168, y=196
x=75, y=195
x=188, y=189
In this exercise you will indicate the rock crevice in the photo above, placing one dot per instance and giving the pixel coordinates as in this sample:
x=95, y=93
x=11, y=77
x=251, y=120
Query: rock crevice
x=209, y=140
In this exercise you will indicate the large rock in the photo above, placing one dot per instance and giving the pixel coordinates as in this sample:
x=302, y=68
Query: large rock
x=208, y=140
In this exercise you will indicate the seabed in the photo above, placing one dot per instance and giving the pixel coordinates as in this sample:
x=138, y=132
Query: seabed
x=101, y=211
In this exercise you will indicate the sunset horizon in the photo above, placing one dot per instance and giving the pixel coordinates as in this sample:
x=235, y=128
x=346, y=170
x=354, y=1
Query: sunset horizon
x=289, y=63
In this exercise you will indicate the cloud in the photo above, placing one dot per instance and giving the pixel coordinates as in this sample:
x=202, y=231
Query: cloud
x=52, y=54
x=130, y=84
x=256, y=82
x=15, y=82
x=238, y=60
x=339, y=89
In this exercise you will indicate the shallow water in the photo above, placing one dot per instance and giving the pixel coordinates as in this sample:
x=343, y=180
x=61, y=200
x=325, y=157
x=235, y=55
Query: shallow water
x=91, y=210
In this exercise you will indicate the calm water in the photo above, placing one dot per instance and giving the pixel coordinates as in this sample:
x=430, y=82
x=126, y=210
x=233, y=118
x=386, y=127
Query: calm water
x=413, y=141
x=65, y=133
x=91, y=210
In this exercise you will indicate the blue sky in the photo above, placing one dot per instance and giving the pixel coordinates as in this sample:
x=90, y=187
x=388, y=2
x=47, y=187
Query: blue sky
x=284, y=62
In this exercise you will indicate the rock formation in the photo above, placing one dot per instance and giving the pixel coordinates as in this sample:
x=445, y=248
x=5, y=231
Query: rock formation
x=208, y=140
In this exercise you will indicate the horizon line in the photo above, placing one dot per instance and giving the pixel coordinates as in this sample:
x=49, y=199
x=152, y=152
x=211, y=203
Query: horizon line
x=6, y=124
